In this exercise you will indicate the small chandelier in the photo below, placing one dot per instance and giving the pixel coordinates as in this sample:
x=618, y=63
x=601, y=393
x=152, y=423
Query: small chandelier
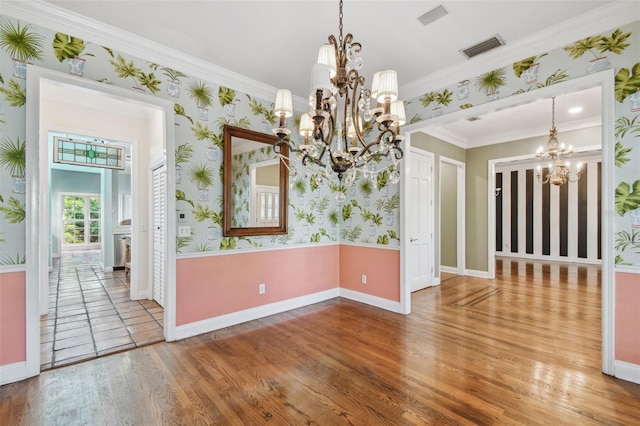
x=557, y=172
x=338, y=128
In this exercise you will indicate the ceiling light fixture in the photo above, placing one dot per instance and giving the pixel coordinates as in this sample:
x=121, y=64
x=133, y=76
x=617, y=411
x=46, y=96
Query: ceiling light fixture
x=338, y=129
x=557, y=173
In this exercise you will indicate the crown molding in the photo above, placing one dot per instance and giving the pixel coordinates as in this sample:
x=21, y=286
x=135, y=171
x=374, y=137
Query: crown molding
x=599, y=20
x=464, y=143
x=46, y=15
x=40, y=13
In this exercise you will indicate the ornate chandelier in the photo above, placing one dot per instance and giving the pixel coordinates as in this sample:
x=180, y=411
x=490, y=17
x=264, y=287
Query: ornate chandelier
x=557, y=172
x=339, y=128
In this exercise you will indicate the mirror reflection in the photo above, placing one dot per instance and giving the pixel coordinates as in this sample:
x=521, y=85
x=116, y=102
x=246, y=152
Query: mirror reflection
x=255, y=184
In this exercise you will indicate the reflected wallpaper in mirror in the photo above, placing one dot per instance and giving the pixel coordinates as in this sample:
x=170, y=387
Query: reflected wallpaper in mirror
x=255, y=184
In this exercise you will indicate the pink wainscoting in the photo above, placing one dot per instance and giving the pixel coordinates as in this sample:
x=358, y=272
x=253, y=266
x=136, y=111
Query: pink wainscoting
x=628, y=317
x=207, y=287
x=381, y=266
x=13, y=318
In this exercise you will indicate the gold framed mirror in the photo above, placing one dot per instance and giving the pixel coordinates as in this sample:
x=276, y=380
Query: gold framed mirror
x=255, y=184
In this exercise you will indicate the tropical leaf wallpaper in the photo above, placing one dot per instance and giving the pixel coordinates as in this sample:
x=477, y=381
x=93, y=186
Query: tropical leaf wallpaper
x=366, y=212
x=201, y=107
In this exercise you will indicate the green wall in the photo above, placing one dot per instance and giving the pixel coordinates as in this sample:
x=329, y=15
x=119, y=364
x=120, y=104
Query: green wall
x=449, y=214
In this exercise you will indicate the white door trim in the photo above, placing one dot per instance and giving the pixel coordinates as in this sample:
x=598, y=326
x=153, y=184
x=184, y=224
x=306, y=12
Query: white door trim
x=37, y=248
x=605, y=80
x=460, y=214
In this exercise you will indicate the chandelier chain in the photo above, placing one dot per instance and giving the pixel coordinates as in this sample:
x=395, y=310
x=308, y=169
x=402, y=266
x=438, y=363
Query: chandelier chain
x=340, y=26
x=553, y=113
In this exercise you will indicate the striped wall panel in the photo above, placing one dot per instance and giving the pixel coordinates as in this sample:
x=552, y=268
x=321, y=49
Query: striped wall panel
x=547, y=221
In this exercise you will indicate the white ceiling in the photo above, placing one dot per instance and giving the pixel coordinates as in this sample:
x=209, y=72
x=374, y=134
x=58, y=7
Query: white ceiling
x=574, y=111
x=275, y=42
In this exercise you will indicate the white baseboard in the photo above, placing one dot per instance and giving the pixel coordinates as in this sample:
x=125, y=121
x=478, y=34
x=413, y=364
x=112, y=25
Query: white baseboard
x=212, y=324
x=562, y=259
x=13, y=372
x=627, y=371
x=368, y=299
x=450, y=269
x=478, y=274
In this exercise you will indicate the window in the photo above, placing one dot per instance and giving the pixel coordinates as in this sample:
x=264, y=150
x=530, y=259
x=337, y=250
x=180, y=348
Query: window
x=81, y=221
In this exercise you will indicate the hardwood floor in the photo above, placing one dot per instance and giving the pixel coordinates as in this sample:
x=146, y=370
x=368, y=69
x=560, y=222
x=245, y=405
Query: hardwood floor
x=444, y=276
x=521, y=349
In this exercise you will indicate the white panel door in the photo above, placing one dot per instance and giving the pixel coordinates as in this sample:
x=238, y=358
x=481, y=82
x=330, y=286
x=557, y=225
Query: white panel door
x=419, y=224
x=159, y=237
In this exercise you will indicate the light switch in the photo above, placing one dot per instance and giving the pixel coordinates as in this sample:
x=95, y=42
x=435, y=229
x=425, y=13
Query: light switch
x=184, y=231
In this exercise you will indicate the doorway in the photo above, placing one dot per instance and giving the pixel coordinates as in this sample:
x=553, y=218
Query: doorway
x=93, y=106
x=484, y=246
x=90, y=311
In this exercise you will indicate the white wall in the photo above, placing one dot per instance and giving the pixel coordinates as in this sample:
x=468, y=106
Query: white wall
x=147, y=146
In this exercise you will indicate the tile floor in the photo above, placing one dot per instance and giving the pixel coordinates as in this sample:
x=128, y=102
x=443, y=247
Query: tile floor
x=90, y=313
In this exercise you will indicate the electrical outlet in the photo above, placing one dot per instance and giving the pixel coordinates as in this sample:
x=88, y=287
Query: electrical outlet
x=364, y=279
x=184, y=231
x=262, y=288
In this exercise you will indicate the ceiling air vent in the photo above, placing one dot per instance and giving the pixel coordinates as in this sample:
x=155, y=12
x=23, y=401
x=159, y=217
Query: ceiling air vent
x=433, y=15
x=473, y=118
x=482, y=47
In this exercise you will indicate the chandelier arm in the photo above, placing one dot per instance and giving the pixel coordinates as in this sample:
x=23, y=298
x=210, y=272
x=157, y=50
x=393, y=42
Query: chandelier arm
x=542, y=180
x=577, y=176
x=398, y=152
x=356, y=83
x=319, y=136
x=277, y=147
x=367, y=148
x=292, y=148
x=332, y=40
x=308, y=157
x=331, y=123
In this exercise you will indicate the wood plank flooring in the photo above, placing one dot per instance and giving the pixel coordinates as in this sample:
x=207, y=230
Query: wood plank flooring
x=521, y=349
